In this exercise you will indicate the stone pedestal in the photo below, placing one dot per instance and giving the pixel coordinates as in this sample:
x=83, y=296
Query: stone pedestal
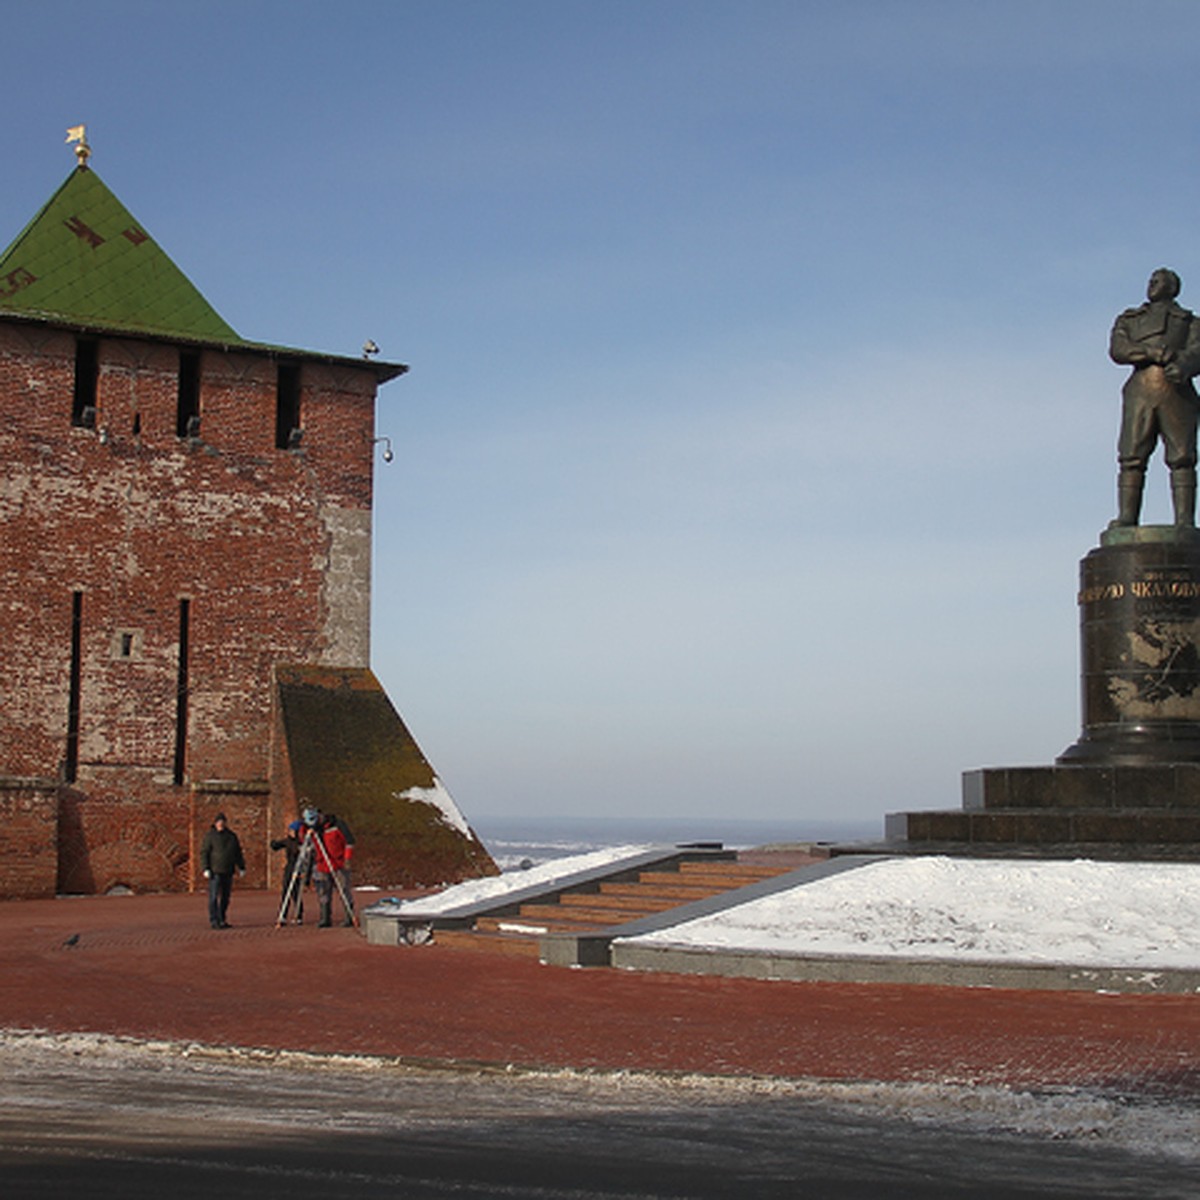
x=1139, y=606
x=1130, y=786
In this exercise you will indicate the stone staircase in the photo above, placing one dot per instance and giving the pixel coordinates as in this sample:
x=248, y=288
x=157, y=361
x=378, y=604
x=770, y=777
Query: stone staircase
x=606, y=905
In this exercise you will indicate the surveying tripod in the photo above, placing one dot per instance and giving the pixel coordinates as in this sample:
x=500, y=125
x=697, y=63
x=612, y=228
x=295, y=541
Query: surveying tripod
x=300, y=873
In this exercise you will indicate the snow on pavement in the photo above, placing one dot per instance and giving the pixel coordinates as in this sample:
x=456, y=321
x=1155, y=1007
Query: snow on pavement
x=56, y=1076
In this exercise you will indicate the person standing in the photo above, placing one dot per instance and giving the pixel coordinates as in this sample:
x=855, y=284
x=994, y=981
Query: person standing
x=330, y=863
x=348, y=837
x=220, y=856
x=291, y=891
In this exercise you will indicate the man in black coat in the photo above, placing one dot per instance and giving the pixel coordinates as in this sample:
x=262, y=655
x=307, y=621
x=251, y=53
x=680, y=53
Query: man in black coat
x=220, y=856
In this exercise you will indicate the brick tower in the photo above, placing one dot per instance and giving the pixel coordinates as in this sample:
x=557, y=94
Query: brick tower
x=184, y=581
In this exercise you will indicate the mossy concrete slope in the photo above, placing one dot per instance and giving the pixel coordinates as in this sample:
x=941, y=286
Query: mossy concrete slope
x=346, y=750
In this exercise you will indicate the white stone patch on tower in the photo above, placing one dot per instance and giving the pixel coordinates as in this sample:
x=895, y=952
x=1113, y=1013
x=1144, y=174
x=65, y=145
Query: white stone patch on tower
x=347, y=587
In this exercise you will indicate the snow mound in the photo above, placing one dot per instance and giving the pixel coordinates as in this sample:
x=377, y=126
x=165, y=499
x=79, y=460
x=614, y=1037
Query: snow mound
x=1080, y=913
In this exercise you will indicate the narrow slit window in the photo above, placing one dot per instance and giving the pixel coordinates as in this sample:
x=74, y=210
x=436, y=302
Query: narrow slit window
x=71, y=762
x=181, y=690
x=87, y=375
x=187, y=408
x=287, y=407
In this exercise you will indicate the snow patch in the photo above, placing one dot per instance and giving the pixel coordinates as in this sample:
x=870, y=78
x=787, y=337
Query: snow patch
x=441, y=800
x=1156, y=1129
x=498, y=886
x=1081, y=913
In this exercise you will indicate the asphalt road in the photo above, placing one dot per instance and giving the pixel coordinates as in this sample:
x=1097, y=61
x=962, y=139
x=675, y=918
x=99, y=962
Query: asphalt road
x=98, y=1118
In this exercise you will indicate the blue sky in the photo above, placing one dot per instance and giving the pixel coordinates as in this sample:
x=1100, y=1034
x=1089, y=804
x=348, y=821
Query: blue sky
x=759, y=410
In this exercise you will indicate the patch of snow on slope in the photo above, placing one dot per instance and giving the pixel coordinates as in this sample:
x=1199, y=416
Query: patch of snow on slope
x=441, y=800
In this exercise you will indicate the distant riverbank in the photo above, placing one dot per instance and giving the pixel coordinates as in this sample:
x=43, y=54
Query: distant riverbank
x=513, y=840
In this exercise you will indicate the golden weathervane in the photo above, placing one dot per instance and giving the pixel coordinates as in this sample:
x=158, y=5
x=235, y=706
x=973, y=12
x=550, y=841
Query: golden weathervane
x=78, y=133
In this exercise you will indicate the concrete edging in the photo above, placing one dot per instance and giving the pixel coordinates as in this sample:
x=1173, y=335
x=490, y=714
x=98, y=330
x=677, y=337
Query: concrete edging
x=947, y=972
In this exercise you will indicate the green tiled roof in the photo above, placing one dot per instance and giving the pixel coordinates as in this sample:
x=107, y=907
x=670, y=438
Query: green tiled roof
x=85, y=260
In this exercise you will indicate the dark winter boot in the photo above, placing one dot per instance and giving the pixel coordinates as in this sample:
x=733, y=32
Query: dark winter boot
x=1129, y=497
x=1183, y=496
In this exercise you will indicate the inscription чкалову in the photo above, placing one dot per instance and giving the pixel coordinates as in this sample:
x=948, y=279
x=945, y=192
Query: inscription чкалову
x=1150, y=588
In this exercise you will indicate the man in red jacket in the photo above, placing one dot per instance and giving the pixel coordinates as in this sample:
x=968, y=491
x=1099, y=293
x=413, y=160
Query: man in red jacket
x=332, y=869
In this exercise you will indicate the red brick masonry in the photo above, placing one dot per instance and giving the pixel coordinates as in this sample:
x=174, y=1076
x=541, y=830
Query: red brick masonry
x=149, y=967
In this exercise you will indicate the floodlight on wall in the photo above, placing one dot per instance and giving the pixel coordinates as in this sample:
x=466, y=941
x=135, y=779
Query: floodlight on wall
x=387, y=449
x=295, y=438
x=103, y=435
x=193, y=426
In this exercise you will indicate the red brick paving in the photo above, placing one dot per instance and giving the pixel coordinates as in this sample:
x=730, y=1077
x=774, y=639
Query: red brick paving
x=149, y=967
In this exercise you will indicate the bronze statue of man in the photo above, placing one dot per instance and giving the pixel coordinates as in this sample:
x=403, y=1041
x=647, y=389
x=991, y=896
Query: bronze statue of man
x=1161, y=341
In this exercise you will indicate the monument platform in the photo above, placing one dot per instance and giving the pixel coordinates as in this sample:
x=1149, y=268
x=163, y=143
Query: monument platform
x=1063, y=811
x=1129, y=787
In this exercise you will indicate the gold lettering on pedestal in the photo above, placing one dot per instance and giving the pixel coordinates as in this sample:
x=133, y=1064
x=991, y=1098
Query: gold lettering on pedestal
x=1155, y=587
x=1179, y=589
x=1102, y=591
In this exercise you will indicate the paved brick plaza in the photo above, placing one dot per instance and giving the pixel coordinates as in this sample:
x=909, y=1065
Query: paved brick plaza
x=149, y=967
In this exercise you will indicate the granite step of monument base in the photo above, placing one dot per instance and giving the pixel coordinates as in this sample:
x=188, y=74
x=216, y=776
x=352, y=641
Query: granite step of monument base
x=1039, y=826
x=1100, y=851
x=1166, y=785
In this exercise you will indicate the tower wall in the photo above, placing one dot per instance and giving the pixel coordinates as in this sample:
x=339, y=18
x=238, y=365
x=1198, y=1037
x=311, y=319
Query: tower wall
x=150, y=583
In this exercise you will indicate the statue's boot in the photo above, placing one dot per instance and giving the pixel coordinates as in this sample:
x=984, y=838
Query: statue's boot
x=1183, y=496
x=1129, y=496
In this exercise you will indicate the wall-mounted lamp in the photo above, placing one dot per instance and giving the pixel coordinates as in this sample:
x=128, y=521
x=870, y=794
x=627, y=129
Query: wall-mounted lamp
x=103, y=435
x=387, y=449
x=295, y=438
x=193, y=427
x=87, y=418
